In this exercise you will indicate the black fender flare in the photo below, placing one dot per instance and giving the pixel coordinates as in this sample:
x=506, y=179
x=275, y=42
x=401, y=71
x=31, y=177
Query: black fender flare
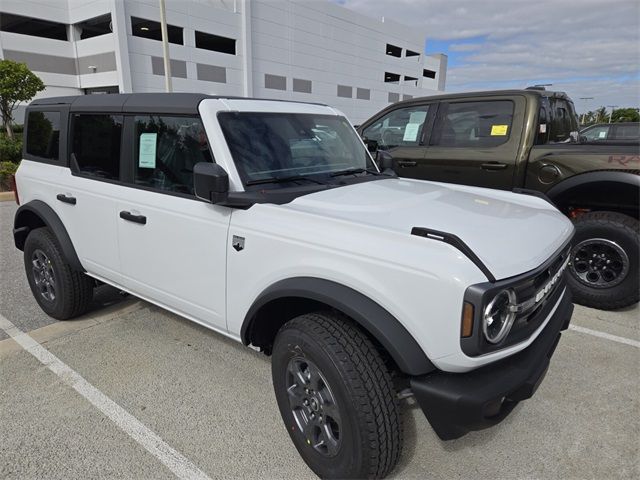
x=23, y=223
x=373, y=318
x=609, y=178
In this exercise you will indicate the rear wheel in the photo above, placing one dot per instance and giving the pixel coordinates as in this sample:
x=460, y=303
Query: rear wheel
x=336, y=398
x=61, y=291
x=604, y=260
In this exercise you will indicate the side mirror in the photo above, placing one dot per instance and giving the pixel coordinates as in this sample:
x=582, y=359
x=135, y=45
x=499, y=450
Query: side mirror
x=372, y=145
x=384, y=160
x=211, y=182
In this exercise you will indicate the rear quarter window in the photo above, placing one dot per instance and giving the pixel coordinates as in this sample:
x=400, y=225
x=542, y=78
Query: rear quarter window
x=43, y=134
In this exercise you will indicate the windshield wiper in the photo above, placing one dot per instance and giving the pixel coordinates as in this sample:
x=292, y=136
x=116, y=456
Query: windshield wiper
x=353, y=171
x=291, y=178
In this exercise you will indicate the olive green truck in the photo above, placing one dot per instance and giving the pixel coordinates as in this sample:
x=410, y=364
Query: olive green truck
x=528, y=141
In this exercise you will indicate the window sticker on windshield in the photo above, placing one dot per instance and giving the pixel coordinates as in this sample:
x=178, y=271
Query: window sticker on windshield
x=147, y=152
x=602, y=134
x=499, y=130
x=543, y=128
x=411, y=132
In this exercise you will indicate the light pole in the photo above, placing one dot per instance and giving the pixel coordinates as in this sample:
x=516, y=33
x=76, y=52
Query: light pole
x=611, y=112
x=165, y=47
x=584, y=113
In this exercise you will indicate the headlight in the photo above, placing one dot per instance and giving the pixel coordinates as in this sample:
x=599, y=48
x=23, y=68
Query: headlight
x=499, y=316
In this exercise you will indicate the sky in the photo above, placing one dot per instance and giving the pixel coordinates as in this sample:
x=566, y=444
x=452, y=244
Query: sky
x=587, y=48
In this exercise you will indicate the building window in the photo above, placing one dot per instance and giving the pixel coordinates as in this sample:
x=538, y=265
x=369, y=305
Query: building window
x=345, y=91
x=178, y=67
x=275, y=82
x=211, y=73
x=302, y=86
x=411, y=53
x=215, y=43
x=101, y=90
x=394, y=97
x=96, y=144
x=393, y=50
x=411, y=79
x=150, y=29
x=428, y=73
x=407, y=97
x=32, y=26
x=94, y=27
x=43, y=134
x=363, y=94
x=391, y=77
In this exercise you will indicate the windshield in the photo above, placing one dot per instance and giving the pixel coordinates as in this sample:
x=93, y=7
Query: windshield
x=279, y=146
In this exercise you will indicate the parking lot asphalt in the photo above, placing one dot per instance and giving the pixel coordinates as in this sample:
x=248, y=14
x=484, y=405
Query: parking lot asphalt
x=210, y=400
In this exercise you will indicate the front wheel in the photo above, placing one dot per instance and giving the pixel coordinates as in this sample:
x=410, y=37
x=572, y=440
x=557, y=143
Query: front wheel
x=604, y=260
x=336, y=397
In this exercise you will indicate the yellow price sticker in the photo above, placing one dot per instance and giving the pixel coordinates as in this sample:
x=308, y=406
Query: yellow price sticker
x=499, y=130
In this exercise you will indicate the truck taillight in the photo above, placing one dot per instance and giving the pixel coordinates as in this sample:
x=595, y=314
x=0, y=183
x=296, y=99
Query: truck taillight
x=14, y=187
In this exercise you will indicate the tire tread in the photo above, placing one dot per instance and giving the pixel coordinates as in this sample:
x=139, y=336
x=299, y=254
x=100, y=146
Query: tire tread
x=615, y=221
x=371, y=384
x=76, y=288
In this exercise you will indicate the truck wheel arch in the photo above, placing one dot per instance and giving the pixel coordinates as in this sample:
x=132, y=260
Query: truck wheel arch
x=36, y=214
x=291, y=297
x=591, y=190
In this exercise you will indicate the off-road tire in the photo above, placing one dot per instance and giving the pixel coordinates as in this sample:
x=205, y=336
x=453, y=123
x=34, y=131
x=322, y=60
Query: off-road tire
x=73, y=289
x=371, y=430
x=624, y=231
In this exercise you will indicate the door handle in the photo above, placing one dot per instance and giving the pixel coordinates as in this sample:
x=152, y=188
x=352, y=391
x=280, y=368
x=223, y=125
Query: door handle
x=141, y=219
x=407, y=163
x=493, y=166
x=66, y=199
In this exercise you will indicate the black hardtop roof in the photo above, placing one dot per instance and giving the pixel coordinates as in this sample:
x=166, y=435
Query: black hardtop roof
x=179, y=103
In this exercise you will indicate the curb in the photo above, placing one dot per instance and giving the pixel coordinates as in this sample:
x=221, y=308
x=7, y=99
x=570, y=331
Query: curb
x=7, y=196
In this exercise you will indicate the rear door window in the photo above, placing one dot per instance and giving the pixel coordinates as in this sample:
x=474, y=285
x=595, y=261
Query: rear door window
x=626, y=132
x=166, y=148
x=474, y=124
x=597, y=133
x=96, y=142
x=399, y=128
x=43, y=134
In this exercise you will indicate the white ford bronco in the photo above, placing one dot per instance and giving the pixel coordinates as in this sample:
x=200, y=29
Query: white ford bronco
x=270, y=223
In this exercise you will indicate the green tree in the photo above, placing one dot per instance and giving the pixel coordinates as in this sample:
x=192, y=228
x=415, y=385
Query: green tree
x=601, y=115
x=625, y=115
x=17, y=84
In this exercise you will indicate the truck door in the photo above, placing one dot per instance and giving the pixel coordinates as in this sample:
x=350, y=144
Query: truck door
x=474, y=142
x=401, y=132
x=172, y=245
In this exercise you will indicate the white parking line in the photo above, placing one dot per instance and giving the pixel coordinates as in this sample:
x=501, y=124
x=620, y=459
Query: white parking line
x=172, y=459
x=608, y=336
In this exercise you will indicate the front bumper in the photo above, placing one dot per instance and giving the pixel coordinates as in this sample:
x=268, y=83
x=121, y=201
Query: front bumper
x=456, y=403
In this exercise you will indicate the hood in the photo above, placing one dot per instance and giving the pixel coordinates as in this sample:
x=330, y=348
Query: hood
x=510, y=233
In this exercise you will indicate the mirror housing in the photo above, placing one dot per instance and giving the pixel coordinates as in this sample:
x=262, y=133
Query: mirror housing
x=384, y=160
x=210, y=182
x=372, y=145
